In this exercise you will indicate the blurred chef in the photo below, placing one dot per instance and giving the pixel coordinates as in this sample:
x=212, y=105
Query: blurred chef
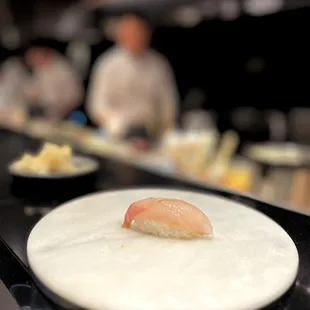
x=132, y=87
x=13, y=80
x=55, y=89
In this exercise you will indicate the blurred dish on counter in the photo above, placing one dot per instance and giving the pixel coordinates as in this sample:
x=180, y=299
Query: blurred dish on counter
x=190, y=151
x=279, y=154
x=285, y=173
x=52, y=161
x=241, y=176
x=54, y=172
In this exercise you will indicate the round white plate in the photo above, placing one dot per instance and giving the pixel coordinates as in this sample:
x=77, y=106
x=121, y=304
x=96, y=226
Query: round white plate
x=81, y=253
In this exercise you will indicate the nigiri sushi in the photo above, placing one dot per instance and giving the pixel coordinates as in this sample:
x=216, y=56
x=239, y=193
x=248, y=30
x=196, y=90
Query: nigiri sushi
x=170, y=218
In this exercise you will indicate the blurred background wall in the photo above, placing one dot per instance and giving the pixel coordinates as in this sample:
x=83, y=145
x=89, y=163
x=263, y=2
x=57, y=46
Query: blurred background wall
x=238, y=57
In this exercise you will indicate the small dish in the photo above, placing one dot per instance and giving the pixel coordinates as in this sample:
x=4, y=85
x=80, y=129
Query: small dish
x=56, y=185
x=279, y=154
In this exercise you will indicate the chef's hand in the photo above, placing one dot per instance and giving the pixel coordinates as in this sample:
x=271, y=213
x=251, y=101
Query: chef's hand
x=100, y=117
x=141, y=145
x=33, y=95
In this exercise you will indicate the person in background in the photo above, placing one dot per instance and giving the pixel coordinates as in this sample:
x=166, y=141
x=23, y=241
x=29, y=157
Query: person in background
x=55, y=89
x=132, y=90
x=13, y=80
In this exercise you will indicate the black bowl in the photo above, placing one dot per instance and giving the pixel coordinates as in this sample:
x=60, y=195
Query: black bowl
x=56, y=186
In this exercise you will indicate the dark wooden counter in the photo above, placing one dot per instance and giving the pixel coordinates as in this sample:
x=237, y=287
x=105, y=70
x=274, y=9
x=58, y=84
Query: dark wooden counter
x=18, y=216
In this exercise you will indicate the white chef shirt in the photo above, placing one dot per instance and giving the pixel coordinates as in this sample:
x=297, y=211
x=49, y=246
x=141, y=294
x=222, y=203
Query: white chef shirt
x=58, y=84
x=13, y=80
x=132, y=90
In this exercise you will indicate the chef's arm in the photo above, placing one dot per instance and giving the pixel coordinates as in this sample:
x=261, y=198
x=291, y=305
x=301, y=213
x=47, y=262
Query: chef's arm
x=169, y=99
